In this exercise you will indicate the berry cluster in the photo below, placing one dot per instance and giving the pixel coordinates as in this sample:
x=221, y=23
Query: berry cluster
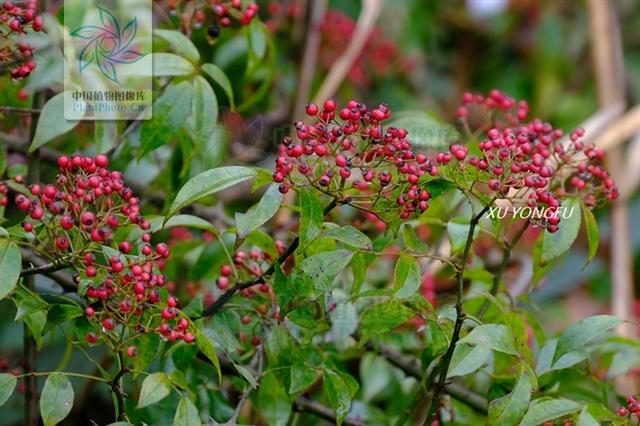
x=632, y=407
x=379, y=58
x=219, y=13
x=246, y=267
x=82, y=222
x=347, y=153
x=15, y=19
x=529, y=163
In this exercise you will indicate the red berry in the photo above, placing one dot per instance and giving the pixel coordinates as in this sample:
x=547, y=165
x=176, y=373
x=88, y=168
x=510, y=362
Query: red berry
x=223, y=283
x=311, y=109
x=132, y=351
x=102, y=161
x=62, y=243
x=125, y=247
x=226, y=270
x=91, y=338
x=329, y=105
x=246, y=319
x=108, y=324
x=88, y=219
x=90, y=311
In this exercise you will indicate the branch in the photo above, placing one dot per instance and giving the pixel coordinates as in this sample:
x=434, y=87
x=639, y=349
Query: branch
x=411, y=367
x=609, y=69
x=370, y=11
x=117, y=389
x=31, y=381
x=308, y=405
x=620, y=130
x=460, y=316
x=310, y=57
x=227, y=295
x=43, y=269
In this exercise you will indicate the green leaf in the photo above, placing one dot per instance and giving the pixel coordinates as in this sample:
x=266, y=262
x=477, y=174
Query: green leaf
x=497, y=337
x=263, y=211
x=437, y=187
x=169, y=65
x=160, y=222
x=624, y=361
x=384, y=317
x=217, y=75
x=180, y=43
x=511, y=408
x=311, y=217
x=31, y=309
x=51, y=123
x=155, y=387
x=186, y=414
x=209, y=182
x=273, y=401
x=205, y=344
x=466, y=359
x=149, y=347
x=302, y=377
x=540, y=268
x=350, y=236
x=204, y=112
x=283, y=288
x=458, y=230
x=426, y=130
x=359, y=271
x=340, y=389
x=579, y=334
x=586, y=419
x=56, y=400
x=411, y=240
x=593, y=236
x=169, y=114
x=10, y=267
x=556, y=244
x=257, y=38
x=540, y=412
x=247, y=375
x=324, y=267
x=105, y=135
x=7, y=385
x=407, y=277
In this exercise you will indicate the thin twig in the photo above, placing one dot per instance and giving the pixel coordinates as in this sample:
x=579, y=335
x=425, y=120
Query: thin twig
x=31, y=380
x=497, y=277
x=118, y=390
x=460, y=316
x=259, y=360
x=308, y=405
